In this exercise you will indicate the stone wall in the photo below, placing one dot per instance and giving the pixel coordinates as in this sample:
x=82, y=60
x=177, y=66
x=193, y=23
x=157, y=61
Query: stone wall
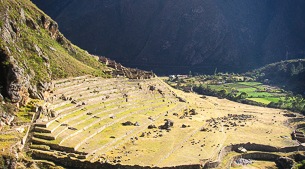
x=264, y=154
x=76, y=163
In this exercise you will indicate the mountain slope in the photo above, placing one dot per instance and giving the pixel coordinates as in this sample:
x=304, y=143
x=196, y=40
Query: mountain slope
x=33, y=52
x=289, y=74
x=178, y=36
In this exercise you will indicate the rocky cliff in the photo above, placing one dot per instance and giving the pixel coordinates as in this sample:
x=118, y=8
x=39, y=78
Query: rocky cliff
x=177, y=36
x=33, y=52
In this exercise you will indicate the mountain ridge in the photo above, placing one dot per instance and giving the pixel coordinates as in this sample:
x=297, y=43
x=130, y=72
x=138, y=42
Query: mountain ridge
x=193, y=35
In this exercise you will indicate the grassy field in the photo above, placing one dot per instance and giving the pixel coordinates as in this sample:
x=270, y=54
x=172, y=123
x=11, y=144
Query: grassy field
x=255, y=91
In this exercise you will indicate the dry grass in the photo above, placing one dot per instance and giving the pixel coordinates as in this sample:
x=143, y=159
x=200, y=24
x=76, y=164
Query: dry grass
x=267, y=128
x=180, y=146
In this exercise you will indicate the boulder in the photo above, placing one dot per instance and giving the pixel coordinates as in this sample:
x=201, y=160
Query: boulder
x=168, y=124
x=74, y=102
x=241, y=150
x=284, y=162
x=127, y=123
x=152, y=126
x=152, y=88
x=193, y=112
x=53, y=113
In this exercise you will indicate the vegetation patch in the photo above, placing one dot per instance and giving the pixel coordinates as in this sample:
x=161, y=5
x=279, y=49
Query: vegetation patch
x=240, y=88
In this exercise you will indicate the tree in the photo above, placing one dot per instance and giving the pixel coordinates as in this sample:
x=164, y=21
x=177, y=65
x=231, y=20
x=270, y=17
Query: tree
x=243, y=95
x=223, y=93
x=178, y=83
x=299, y=98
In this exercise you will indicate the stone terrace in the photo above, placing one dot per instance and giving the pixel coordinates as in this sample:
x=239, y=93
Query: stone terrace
x=82, y=118
x=99, y=122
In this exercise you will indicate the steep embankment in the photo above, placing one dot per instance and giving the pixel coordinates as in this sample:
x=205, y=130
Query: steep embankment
x=33, y=51
x=177, y=36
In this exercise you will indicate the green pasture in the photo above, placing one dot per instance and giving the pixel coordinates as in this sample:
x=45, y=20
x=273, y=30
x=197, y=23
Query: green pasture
x=255, y=91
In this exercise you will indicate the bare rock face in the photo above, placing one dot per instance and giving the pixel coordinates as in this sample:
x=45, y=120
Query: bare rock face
x=17, y=83
x=16, y=77
x=178, y=36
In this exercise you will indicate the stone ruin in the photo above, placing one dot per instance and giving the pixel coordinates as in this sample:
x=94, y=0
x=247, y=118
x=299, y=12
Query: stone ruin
x=299, y=136
x=230, y=121
x=131, y=73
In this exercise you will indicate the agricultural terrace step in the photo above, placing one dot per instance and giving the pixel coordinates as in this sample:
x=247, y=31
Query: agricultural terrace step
x=90, y=135
x=87, y=87
x=41, y=130
x=43, y=136
x=104, y=103
x=94, y=154
x=53, y=146
x=93, y=112
x=65, y=104
x=135, y=131
x=84, y=91
x=43, y=125
x=66, y=148
x=66, y=87
x=117, y=112
x=63, y=129
x=61, y=103
x=77, y=92
x=59, y=155
x=93, y=126
x=68, y=82
x=95, y=99
x=84, y=85
x=82, y=113
x=98, y=99
x=86, y=97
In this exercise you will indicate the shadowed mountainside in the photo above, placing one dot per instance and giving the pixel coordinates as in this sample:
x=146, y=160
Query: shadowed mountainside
x=288, y=74
x=178, y=36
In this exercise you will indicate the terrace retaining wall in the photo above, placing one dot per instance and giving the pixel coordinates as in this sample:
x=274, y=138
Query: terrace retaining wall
x=76, y=163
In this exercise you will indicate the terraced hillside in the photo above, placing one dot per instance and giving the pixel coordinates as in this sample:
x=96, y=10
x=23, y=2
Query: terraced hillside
x=91, y=122
x=85, y=116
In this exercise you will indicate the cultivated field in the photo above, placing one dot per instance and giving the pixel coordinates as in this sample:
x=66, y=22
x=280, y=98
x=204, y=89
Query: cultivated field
x=255, y=91
x=124, y=121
